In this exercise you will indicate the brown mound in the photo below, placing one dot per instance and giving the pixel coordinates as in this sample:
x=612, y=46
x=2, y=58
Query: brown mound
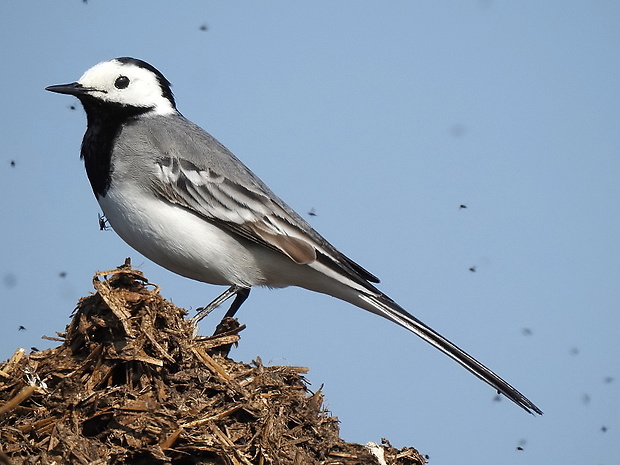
x=132, y=384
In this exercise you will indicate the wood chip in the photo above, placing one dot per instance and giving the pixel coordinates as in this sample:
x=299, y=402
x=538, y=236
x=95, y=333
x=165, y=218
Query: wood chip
x=130, y=383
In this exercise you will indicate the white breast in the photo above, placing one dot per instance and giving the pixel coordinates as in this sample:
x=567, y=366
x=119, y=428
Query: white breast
x=180, y=241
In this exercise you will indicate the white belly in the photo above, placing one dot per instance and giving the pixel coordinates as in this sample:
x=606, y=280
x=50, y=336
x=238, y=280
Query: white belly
x=183, y=242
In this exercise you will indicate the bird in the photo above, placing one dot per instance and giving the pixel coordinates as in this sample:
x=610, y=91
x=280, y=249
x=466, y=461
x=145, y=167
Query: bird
x=179, y=197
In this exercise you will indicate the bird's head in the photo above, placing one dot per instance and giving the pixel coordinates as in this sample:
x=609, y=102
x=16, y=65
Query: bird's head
x=122, y=83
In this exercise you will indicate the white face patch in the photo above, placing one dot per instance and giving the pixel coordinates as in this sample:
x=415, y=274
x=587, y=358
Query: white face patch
x=126, y=84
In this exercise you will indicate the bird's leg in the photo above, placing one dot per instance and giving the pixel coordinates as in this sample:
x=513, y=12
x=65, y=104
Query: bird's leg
x=242, y=294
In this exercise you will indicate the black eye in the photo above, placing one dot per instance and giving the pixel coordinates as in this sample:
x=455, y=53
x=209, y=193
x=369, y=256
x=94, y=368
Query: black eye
x=121, y=82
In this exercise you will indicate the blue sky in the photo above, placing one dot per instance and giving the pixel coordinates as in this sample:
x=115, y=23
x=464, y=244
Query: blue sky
x=384, y=117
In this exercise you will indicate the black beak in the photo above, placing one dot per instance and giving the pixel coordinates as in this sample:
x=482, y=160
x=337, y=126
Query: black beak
x=71, y=89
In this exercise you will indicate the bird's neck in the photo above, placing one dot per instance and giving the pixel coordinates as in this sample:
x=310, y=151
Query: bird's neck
x=104, y=126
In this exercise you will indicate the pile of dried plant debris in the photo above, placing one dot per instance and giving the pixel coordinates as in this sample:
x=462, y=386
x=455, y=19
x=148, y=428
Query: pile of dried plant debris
x=132, y=384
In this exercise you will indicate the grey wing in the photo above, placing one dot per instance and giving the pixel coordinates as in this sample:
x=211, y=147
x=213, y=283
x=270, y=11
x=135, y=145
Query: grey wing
x=203, y=176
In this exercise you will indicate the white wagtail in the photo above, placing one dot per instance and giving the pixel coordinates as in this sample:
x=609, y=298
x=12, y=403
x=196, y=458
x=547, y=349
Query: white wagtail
x=179, y=197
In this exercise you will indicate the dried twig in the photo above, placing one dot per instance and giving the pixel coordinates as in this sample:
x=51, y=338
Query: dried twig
x=130, y=383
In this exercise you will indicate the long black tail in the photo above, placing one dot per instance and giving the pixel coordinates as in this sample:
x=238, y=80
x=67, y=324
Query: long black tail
x=384, y=306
